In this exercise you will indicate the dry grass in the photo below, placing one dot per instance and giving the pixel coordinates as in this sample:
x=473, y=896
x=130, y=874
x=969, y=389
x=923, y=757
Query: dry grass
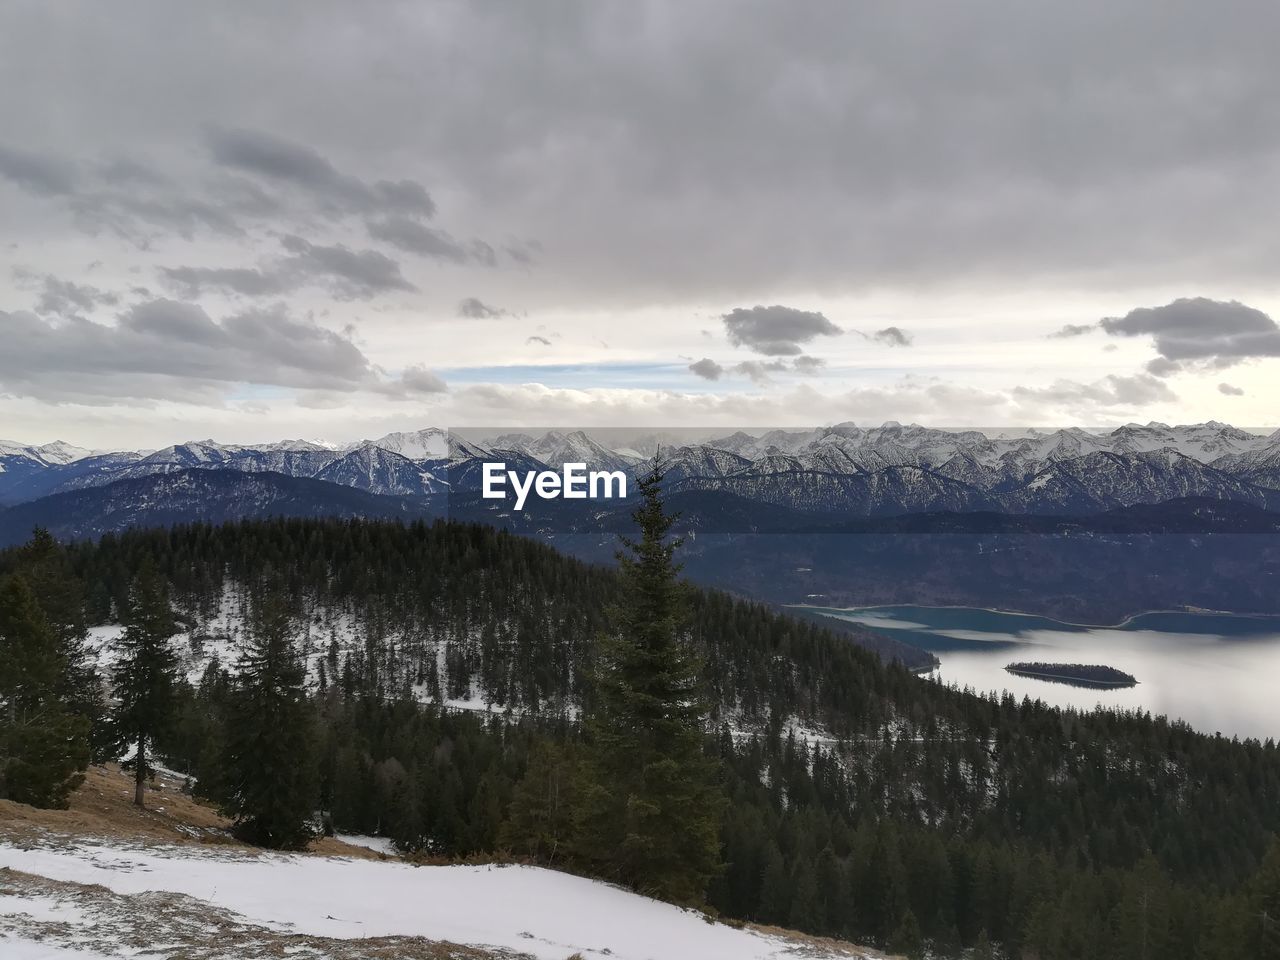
x=103, y=807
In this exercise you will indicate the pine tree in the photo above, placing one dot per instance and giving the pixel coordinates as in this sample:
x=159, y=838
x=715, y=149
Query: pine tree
x=271, y=765
x=145, y=673
x=44, y=749
x=539, y=819
x=60, y=595
x=651, y=801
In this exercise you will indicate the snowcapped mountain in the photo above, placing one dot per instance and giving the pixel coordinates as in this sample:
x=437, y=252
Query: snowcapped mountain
x=378, y=470
x=838, y=470
x=556, y=449
x=429, y=444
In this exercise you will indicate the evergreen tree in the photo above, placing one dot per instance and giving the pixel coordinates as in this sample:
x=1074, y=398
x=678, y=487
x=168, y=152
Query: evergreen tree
x=44, y=749
x=539, y=821
x=145, y=673
x=1265, y=904
x=651, y=801
x=61, y=597
x=271, y=764
x=907, y=939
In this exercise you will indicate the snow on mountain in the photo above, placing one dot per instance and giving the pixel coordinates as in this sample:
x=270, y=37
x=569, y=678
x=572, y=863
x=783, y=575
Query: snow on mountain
x=1006, y=468
x=500, y=910
x=429, y=444
x=374, y=468
x=61, y=452
x=556, y=449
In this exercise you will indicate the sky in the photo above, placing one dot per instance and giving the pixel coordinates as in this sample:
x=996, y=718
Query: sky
x=334, y=219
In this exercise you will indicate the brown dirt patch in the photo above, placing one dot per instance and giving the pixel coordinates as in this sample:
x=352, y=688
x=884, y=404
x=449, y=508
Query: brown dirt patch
x=103, y=807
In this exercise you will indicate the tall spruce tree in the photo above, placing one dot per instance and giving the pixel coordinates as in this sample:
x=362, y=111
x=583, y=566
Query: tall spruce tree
x=271, y=766
x=651, y=801
x=60, y=594
x=145, y=674
x=44, y=748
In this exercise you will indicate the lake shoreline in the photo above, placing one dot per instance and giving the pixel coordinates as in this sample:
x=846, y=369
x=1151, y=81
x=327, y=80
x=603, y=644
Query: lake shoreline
x=1185, y=611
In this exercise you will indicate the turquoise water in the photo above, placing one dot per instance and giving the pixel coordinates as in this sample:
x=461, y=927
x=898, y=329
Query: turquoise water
x=1219, y=672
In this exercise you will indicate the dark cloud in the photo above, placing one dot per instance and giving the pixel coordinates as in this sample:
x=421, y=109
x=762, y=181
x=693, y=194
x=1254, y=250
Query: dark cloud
x=298, y=165
x=476, y=309
x=892, y=337
x=164, y=348
x=1104, y=150
x=37, y=173
x=347, y=274
x=354, y=274
x=539, y=340
x=1229, y=390
x=707, y=369
x=246, y=281
x=66, y=298
x=757, y=371
x=776, y=330
x=414, y=237
x=1213, y=333
x=1072, y=330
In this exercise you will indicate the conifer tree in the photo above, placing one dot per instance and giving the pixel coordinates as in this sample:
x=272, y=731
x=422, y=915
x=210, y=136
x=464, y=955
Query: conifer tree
x=61, y=597
x=651, y=801
x=271, y=766
x=44, y=749
x=145, y=674
x=539, y=819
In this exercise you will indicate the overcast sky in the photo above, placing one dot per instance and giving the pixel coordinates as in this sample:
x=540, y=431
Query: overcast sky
x=329, y=220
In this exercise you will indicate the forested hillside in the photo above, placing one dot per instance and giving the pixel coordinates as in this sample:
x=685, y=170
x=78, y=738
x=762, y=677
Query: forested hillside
x=446, y=667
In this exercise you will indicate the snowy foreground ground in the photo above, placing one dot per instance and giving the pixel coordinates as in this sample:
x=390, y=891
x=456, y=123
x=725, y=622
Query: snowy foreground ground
x=186, y=901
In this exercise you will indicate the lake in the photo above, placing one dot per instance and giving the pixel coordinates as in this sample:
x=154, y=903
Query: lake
x=1218, y=672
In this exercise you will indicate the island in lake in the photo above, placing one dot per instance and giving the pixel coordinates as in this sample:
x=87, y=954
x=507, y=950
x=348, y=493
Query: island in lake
x=1092, y=675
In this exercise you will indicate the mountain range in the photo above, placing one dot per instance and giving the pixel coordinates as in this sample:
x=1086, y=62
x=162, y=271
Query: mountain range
x=837, y=472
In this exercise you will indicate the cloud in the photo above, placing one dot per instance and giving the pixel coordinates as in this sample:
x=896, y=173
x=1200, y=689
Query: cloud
x=1160, y=367
x=475, y=309
x=65, y=297
x=246, y=281
x=175, y=350
x=356, y=274
x=756, y=371
x=303, y=167
x=347, y=274
x=707, y=369
x=1229, y=390
x=1111, y=391
x=539, y=340
x=1200, y=331
x=414, y=237
x=893, y=337
x=1072, y=330
x=776, y=330
x=37, y=173
x=415, y=381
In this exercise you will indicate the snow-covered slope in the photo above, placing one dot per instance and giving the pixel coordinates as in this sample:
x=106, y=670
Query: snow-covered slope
x=524, y=911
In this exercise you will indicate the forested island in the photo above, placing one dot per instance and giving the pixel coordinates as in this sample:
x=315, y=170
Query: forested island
x=1091, y=675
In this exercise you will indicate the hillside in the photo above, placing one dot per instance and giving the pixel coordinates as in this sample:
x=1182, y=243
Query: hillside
x=447, y=667
x=105, y=880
